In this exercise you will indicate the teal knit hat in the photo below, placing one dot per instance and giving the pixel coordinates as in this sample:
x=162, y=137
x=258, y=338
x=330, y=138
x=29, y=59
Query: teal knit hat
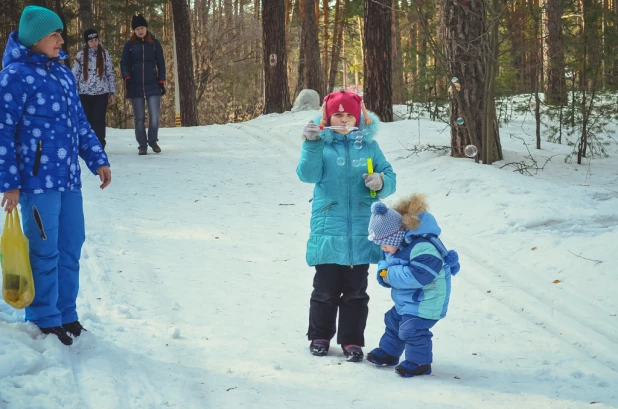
x=35, y=23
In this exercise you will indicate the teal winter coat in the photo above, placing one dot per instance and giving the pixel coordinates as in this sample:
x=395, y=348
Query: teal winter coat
x=341, y=205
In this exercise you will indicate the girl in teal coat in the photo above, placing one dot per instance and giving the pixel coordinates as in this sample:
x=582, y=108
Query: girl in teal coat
x=335, y=157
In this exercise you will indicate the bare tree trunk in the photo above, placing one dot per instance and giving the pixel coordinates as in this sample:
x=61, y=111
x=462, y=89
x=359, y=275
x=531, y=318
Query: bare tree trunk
x=535, y=13
x=469, y=54
x=441, y=80
x=378, y=92
x=85, y=14
x=312, y=72
x=399, y=92
x=556, y=84
x=300, y=83
x=186, y=82
x=421, y=51
x=59, y=9
x=340, y=16
x=412, y=28
x=276, y=94
x=325, y=39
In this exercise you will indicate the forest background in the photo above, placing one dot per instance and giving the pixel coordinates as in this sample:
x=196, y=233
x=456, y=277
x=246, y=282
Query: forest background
x=457, y=61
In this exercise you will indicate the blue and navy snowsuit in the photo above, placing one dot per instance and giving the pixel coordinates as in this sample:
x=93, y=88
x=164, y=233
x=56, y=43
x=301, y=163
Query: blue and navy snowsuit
x=419, y=275
x=43, y=133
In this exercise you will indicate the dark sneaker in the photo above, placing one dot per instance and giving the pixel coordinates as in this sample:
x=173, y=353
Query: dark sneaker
x=74, y=328
x=409, y=369
x=60, y=333
x=352, y=353
x=155, y=148
x=319, y=347
x=142, y=151
x=381, y=358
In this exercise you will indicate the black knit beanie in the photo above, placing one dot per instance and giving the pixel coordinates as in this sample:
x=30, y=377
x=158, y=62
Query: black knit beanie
x=138, y=21
x=90, y=34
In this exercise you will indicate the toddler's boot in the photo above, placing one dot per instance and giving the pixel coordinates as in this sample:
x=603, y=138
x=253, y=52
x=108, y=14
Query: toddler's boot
x=60, y=333
x=409, y=369
x=381, y=358
x=319, y=347
x=352, y=353
x=74, y=328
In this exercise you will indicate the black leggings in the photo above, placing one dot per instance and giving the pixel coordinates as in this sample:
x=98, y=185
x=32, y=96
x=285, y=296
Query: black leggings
x=95, y=107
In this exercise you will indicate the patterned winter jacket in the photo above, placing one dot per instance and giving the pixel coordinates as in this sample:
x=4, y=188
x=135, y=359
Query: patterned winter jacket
x=417, y=272
x=341, y=202
x=144, y=63
x=95, y=85
x=43, y=128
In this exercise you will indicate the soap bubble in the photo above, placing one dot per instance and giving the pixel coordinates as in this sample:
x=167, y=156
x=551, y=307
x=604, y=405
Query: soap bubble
x=362, y=161
x=341, y=161
x=470, y=151
x=460, y=121
x=418, y=107
x=358, y=144
x=454, y=80
x=355, y=163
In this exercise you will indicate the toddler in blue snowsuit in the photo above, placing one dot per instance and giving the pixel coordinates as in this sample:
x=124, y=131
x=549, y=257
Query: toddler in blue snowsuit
x=43, y=133
x=418, y=268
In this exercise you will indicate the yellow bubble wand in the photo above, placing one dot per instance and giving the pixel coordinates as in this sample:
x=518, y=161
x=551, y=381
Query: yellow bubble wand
x=372, y=193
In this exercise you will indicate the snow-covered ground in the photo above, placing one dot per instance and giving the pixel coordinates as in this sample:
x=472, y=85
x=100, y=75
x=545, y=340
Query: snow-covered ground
x=195, y=291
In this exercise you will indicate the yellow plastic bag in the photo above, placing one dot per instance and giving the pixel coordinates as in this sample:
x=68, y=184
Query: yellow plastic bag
x=17, y=282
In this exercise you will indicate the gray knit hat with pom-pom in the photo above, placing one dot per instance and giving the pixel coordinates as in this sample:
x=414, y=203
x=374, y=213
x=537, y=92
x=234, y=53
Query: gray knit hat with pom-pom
x=385, y=225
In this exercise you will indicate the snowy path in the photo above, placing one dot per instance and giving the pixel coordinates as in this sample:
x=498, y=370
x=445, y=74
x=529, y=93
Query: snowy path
x=208, y=238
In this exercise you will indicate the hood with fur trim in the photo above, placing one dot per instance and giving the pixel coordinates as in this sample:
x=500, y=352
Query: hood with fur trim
x=414, y=216
x=369, y=131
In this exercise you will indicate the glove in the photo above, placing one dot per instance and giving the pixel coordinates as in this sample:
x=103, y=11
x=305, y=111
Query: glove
x=162, y=86
x=311, y=131
x=373, y=181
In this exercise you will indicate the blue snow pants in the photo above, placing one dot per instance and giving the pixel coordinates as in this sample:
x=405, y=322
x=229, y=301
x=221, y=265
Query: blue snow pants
x=54, y=260
x=410, y=333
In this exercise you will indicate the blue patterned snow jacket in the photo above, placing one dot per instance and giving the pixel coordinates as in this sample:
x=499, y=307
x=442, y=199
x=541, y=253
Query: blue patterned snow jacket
x=341, y=203
x=43, y=128
x=419, y=273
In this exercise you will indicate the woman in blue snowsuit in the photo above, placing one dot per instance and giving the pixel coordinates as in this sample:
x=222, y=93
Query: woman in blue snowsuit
x=143, y=69
x=336, y=162
x=43, y=132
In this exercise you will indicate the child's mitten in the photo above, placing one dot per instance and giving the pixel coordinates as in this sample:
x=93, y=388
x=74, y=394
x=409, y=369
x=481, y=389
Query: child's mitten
x=373, y=181
x=382, y=279
x=311, y=131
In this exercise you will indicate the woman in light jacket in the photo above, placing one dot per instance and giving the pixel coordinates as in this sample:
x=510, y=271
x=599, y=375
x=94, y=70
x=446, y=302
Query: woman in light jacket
x=96, y=82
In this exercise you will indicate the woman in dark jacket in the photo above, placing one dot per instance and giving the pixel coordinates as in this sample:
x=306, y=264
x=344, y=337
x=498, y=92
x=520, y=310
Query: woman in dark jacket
x=143, y=68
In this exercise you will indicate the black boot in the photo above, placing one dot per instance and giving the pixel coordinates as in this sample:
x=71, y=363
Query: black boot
x=74, y=328
x=409, y=369
x=60, y=333
x=381, y=358
x=319, y=347
x=155, y=148
x=352, y=353
x=142, y=151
